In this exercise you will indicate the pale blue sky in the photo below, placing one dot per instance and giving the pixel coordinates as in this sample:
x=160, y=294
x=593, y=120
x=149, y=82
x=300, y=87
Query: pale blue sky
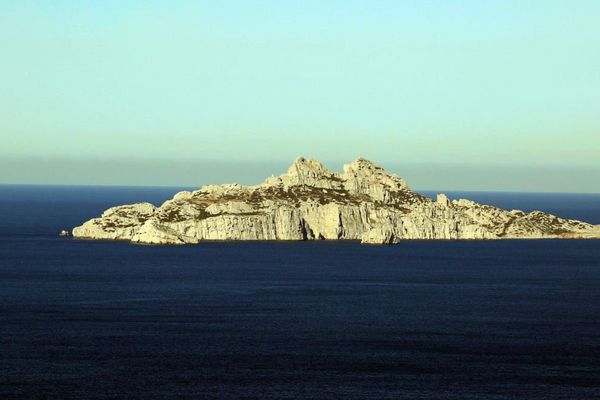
x=495, y=86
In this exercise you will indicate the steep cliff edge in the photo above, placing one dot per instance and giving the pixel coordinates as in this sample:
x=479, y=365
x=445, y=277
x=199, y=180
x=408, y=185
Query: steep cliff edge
x=311, y=202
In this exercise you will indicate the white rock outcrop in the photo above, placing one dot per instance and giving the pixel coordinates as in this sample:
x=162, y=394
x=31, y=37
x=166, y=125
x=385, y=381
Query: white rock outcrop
x=310, y=202
x=379, y=236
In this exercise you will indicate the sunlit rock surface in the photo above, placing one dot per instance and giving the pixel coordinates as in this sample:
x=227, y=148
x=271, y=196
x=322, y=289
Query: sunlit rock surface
x=310, y=202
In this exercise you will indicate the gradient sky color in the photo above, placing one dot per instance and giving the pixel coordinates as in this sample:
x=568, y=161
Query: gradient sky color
x=172, y=92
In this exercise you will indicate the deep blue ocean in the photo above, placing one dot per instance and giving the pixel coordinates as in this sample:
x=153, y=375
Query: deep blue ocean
x=307, y=320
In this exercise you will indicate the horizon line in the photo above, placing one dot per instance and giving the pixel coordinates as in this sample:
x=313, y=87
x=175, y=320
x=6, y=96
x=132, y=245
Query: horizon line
x=187, y=187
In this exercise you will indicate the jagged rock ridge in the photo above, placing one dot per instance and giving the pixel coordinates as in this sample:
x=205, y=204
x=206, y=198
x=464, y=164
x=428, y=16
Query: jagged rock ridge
x=311, y=202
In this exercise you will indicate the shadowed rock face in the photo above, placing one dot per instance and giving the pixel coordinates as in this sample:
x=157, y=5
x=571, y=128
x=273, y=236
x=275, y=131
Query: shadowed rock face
x=310, y=202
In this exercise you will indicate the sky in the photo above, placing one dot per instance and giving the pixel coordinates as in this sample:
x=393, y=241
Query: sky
x=469, y=95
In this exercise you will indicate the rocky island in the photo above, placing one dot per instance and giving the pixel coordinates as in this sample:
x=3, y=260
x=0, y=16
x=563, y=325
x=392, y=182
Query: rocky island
x=310, y=202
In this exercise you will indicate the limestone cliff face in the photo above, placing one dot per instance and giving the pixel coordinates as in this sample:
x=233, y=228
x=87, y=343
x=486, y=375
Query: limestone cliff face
x=310, y=202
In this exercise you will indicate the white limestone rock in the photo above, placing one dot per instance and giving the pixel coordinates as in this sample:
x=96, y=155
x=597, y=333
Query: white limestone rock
x=152, y=232
x=116, y=223
x=379, y=236
x=310, y=202
x=442, y=200
x=229, y=207
x=364, y=177
x=183, y=195
x=306, y=172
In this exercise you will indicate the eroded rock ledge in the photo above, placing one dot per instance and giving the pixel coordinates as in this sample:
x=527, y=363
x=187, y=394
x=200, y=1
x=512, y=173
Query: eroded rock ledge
x=310, y=202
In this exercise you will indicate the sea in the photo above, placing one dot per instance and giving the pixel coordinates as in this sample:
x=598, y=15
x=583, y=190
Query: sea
x=292, y=320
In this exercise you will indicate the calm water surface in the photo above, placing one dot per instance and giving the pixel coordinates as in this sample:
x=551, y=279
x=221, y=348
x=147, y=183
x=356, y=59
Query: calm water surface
x=318, y=320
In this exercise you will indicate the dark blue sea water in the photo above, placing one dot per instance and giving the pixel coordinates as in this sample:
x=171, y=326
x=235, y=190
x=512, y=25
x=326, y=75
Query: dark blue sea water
x=316, y=320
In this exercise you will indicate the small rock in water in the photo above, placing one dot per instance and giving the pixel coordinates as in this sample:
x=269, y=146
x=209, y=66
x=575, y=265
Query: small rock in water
x=63, y=233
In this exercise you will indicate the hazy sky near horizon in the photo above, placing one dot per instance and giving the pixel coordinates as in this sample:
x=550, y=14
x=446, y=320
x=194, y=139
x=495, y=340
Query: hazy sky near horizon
x=509, y=87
